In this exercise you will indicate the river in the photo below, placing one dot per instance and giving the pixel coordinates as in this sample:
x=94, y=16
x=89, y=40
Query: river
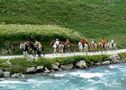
x=111, y=77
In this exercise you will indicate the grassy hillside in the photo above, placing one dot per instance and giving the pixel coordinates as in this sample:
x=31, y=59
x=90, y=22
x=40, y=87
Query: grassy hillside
x=99, y=17
x=32, y=32
x=92, y=18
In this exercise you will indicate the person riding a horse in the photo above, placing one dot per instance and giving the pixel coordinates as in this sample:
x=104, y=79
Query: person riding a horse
x=67, y=42
x=93, y=43
x=56, y=43
x=38, y=47
x=104, y=41
x=83, y=41
x=112, y=42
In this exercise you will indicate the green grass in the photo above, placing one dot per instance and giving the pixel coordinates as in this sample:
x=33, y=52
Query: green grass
x=22, y=32
x=92, y=18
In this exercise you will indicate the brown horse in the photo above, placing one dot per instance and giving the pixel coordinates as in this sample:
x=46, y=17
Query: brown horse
x=68, y=47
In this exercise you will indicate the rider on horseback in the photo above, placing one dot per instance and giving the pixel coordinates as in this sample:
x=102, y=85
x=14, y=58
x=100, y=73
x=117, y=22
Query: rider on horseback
x=93, y=42
x=67, y=42
x=112, y=42
x=38, y=47
x=104, y=41
x=82, y=42
x=56, y=43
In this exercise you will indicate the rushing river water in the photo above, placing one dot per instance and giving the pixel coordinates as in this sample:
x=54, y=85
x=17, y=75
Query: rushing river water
x=112, y=77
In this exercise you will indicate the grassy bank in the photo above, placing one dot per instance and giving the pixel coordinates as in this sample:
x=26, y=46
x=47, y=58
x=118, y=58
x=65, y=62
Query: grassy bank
x=20, y=65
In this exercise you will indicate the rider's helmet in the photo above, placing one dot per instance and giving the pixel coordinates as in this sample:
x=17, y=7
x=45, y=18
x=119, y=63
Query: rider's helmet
x=112, y=41
x=57, y=39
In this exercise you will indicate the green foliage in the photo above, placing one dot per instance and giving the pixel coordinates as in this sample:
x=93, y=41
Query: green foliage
x=45, y=62
x=122, y=55
x=42, y=32
x=22, y=62
x=17, y=69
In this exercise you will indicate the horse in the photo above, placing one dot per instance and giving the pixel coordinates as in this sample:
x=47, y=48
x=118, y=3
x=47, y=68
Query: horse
x=58, y=48
x=68, y=47
x=83, y=48
x=111, y=46
x=93, y=46
x=36, y=50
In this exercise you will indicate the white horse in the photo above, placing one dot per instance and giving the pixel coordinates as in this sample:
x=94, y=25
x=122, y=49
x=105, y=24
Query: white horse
x=58, y=48
x=82, y=48
x=112, y=46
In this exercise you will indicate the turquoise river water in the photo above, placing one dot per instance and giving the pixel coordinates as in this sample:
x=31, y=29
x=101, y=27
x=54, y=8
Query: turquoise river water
x=111, y=77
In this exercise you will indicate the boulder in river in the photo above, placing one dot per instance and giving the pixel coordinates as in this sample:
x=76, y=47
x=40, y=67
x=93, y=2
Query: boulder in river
x=6, y=74
x=57, y=63
x=115, y=57
x=31, y=70
x=97, y=64
x=67, y=67
x=115, y=61
x=106, y=62
x=18, y=75
x=55, y=67
x=81, y=64
x=1, y=72
x=39, y=68
x=47, y=70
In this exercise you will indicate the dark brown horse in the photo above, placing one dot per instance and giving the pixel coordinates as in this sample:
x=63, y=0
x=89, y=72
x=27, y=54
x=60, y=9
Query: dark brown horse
x=36, y=50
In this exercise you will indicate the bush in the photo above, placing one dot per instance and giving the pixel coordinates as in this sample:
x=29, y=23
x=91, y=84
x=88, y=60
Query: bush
x=45, y=62
x=122, y=55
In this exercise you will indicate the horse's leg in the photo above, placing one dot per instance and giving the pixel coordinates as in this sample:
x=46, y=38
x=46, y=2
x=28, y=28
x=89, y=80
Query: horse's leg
x=39, y=53
x=43, y=52
x=33, y=53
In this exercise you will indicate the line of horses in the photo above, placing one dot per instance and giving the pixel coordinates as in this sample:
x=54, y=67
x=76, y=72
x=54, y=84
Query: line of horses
x=85, y=47
x=62, y=47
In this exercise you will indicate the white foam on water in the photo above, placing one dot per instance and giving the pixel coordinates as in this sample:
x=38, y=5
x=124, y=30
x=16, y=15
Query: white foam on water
x=35, y=81
x=113, y=66
x=58, y=75
x=92, y=88
x=91, y=75
x=11, y=82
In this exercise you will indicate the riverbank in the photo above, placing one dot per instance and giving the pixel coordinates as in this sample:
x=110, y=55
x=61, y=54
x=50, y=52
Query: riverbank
x=17, y=68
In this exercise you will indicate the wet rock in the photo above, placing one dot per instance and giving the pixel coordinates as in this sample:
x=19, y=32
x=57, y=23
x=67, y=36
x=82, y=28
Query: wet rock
x=67, y=67
x=81, y=64
x=115, y=61
x=52, y=70
x=115, y=57
x=31, y=70
x=39, y=69
x=97, y=64
x=47, y=70
x=57, y=63
x=60, y=69
x=55, y=67
x=6, y=74
x=1, y=72
x=18, y=75
x=106, y=62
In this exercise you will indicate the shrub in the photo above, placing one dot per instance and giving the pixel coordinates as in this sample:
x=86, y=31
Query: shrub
x=45, y=62
x=122, y=55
